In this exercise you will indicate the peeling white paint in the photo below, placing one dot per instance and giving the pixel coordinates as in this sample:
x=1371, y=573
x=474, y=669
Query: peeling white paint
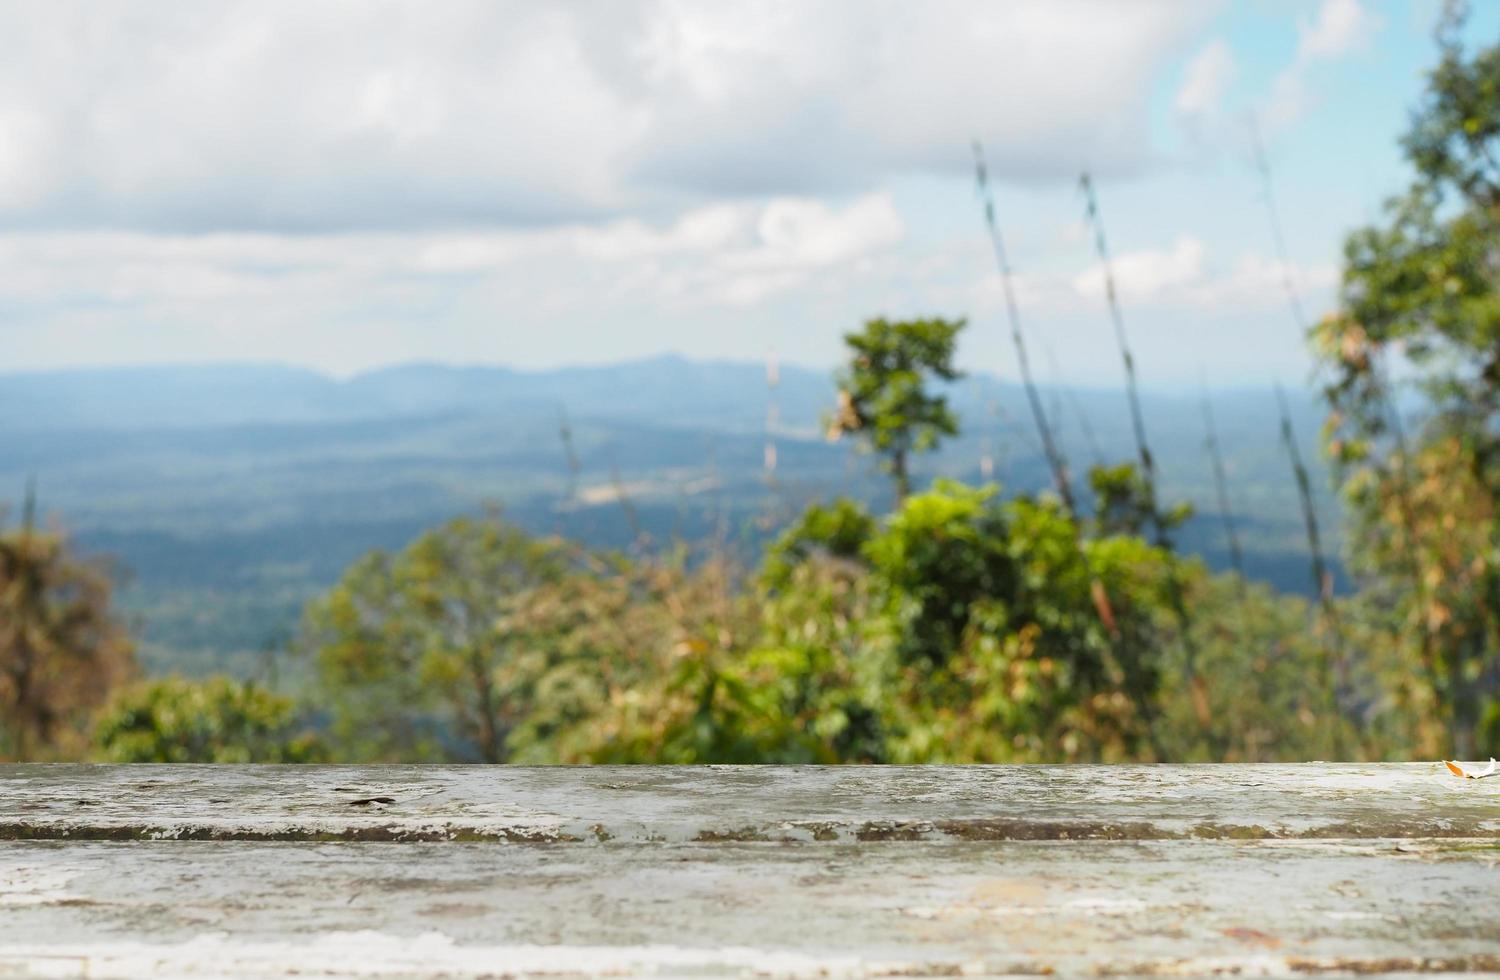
x=747, y=871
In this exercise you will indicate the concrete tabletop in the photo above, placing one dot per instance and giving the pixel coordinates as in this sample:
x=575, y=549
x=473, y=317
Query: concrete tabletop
x=774, y=871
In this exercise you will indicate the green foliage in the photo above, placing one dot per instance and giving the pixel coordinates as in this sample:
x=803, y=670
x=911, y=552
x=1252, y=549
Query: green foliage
x=215, y=720
x=666, y=646
x=839, y=530
x=1419, y=302
x=883, y=395
x=1452, y=133
x=822, y=662
x=1124, y=503
x=1254, y=695
x=62, y=650
x=413, y=649
x=1018, y=636
x=961, y=628
x=939, y=553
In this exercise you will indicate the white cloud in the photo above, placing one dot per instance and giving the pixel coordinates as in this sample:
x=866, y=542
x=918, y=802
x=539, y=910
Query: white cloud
x=1185, y=277
x=791, y=273
x=23, y=136
x=805, y=234
x=1205, y=80
x=279, y=115
x=1341, y=26
x=700, y=230
x=1287, y=101
x=1259, y=282
x=1147, y=274
x=539, y=183
x=374, y=297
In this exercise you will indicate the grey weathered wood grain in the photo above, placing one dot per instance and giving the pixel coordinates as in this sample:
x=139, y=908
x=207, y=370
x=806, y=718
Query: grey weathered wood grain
x=927, y=908
x=624, y=803
x=262, y=871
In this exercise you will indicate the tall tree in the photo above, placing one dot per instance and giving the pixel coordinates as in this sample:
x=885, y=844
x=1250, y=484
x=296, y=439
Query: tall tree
x=61, y=648
x=1420, y=305
x=416, y=649
x=884, y=398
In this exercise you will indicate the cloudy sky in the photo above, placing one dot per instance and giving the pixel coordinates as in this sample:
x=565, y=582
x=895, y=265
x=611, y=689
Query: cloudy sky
x=349, y=184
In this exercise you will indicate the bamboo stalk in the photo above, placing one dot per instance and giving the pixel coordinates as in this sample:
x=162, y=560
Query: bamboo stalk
x=1063, y=392
x=28, y=508
x=1176, y=593
x=1273, y=216
x=1333, y=666
x=721, y=516
x=1055, y=460
x=986, y=450
x=1221, y=486
x=1122, y=341
x=1406, y=507
x=1322, y=580
x=570, y=454
x=1086, y=427
x=622, y=494
x=773, y=416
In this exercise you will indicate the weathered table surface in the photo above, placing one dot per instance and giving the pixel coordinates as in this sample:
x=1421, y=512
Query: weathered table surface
x=797, y=871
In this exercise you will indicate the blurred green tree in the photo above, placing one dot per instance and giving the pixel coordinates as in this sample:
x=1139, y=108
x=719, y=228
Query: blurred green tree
x=960, y=628
x=883, y=393
x=966, y=628
x=414, y=649
x=1124, y=503
x=680, y=694
x=214, y=720
x=1419, y=307
x=62, y=650
x=1261, y=702
x=1021, y=639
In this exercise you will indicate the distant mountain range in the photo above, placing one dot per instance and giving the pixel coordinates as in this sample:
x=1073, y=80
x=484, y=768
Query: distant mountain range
x=232, y=493
x=662, y=389
x=658, y=389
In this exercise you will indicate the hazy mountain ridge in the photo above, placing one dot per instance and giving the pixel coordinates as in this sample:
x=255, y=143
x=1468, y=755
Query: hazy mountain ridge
x=221, y=395
x=233, y=493
x=664, y=389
